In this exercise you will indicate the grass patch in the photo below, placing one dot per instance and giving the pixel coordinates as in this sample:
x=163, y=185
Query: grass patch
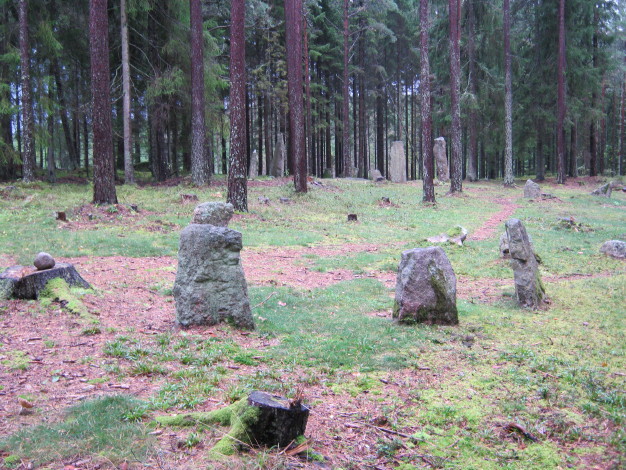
x=99, y=427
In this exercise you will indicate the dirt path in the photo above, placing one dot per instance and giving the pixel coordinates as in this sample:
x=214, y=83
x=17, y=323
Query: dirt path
x=494, y=223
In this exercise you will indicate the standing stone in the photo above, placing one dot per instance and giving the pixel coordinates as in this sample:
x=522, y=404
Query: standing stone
x=504, y=246
x=425, y=288
x=44, y=261
x=528, y=286
x=606, y=189
x=213, y=213
x=614, y=248
x=531, y=189
x=439, y=150
x=277, y=167
x=253, y=172
x=210, y=284
x=376, y=176
x=397, y=162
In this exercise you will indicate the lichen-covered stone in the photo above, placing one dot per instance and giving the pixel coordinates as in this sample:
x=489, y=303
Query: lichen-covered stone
x=397, y=162
x=425, y=288
x=532, y=189
x=213, y=213
x=528, y=286
x=210, y=284
x=614, y=248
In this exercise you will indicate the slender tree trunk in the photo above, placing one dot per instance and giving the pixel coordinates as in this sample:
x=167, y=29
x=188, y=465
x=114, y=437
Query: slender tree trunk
x=560, y=138
x=237, y=182
x=293, y=35
x=69, y=141
x=269, y=150
x=51, y=166
x=28, y=155
x=362, y=153
x=573, y=164
x=508, y=98
x=622, y=120
x=129, y=170
x=103, y=169
x=199, y=168
x=427, y=144
x=345, y=114
x=472, y=171
x=307, y=82
x=380, y=130
x=456, y=162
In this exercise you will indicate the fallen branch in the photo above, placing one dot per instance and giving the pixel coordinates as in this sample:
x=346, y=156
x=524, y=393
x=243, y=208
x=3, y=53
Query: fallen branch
x=268, y=298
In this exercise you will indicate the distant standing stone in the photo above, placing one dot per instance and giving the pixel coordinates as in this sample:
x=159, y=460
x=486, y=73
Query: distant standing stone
x=254, y=165
x=277, y=166
x=614, y=248
x=376, y=176
x=528, y=286
x=210, y=284
x=213, y=213
x=44, y=261
x=425, y=288
x=439, y=150
x=531, y=189
x=397, y=162
x=606, y=189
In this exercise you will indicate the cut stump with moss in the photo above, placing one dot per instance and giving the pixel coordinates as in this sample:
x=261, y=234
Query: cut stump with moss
x=260, y=420
x=26, y=282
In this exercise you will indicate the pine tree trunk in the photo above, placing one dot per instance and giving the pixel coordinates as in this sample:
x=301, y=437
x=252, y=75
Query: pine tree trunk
x=129, y=170
x=472, y=150
x=103, y=171
x=237, y=182
x=560, y=138
x=427, y=143
x=199, y=168
x=345, y=109
x=28, y=154
x=456, y=162
x=293, y=36
x=508, y=98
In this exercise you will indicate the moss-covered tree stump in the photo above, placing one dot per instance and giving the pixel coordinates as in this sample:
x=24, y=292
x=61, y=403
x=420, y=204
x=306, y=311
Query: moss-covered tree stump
x=261, y=419
x=26, y=282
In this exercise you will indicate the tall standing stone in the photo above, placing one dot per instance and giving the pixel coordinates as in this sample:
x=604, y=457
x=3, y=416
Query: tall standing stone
x=253, y=171
x=277, y=167
x=528, y=286
x=439, y=150
x=425, y=288
x=397, y=162
x=210, y=285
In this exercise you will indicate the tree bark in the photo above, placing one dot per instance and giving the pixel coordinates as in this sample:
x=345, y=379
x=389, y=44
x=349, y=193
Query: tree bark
x=237, y=181
x=103, y=171
x=508, y=98
x=28, y=155
x=427, y=143
x=560, y=138
x=199, y=168
x=129, y=170
x=472, y=149
x=456, y=162
x=293, y=35
x=345, y=106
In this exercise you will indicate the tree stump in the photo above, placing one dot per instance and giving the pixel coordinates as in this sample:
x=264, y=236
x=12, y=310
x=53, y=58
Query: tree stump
x=279, y=421
x=352, y=218
x=25, y=282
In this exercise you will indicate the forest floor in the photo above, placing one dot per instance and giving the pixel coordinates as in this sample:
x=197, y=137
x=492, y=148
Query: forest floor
x=508, y=388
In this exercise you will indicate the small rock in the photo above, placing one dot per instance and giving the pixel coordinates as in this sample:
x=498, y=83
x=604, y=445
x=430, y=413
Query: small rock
x=285, y=200
x=385, y=200
x=614, y=248
x=213, y=213
x=352, y=218
x=264, y=200
x=44, y=261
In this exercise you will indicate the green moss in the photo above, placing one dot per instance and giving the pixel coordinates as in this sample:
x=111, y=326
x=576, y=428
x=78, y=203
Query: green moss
x=240, y=416
x=12, y=461
x=17, y=360
x=59, y=290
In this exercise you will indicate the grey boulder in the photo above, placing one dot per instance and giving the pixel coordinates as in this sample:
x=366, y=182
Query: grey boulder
x=614, y=248
x=531, y=189
x=425, y=288
x=210, y=285
x=44, y=261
